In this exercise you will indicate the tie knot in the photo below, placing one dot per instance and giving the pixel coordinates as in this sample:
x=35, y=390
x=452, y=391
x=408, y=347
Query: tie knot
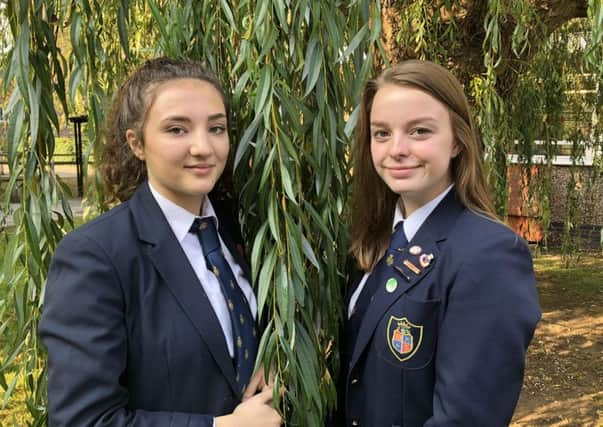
x=398, y=240
x=205, y=229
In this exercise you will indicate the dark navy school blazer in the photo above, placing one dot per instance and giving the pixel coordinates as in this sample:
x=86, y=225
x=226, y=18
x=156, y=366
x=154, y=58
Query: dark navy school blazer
x=132, y=338
x=444, y=344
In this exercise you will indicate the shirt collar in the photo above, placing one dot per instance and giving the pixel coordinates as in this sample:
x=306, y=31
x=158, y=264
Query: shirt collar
x=418, y=217
x=179, y=219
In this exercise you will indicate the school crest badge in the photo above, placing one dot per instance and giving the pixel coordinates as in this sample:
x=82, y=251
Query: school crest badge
x=403, y=337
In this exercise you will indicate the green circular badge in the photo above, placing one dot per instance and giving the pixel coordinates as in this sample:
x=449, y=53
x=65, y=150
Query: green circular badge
x=391, y=285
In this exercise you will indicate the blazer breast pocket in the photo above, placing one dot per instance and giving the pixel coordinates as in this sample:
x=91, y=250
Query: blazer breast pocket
x=407, y=333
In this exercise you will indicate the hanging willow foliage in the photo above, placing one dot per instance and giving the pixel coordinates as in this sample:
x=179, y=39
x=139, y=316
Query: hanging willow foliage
x=294, y=70
x=563, y=118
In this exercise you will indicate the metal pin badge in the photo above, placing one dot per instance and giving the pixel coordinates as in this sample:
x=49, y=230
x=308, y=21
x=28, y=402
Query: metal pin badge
x=415, y=250
x=391, y=285
x=425, y=260
x=389, y=260
x=406, y=277
x=412, y=267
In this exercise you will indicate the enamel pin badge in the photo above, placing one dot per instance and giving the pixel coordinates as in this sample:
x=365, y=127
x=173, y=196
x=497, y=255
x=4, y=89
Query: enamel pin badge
x=389, y=260
x=391, y=285
x=425, y=260
x=411, y=267
x=415, y=250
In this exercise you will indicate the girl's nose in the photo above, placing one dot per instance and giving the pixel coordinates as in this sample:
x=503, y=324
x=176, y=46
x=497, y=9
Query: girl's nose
x=200, y=144
x=399, y=145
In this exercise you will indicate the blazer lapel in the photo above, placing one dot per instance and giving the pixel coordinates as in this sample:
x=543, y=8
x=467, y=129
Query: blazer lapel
x=410, y=267
x=406, y=274
x=170, y=261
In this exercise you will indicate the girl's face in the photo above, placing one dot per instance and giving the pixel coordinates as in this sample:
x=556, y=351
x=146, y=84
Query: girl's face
x=412, y=144
x=186, y=143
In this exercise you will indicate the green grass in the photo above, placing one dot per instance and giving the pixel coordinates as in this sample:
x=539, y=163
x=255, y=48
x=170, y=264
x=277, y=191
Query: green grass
x=66, y=145
x=15, y=412
x=583, y=276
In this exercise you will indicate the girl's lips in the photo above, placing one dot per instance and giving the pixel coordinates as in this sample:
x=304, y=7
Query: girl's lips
x=402, y=171
x=200, y=169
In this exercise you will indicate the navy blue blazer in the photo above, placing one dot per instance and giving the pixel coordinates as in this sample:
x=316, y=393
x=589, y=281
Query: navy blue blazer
x=444, y=340
x=131, y=336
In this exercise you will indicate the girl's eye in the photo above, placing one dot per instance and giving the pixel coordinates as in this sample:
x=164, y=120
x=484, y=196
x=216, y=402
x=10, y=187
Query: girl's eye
x=379, y=134
x=217, y=130
x=420, y=131
x=176, y=130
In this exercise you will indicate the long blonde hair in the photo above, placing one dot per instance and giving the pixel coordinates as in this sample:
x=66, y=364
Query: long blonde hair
x=373, y=203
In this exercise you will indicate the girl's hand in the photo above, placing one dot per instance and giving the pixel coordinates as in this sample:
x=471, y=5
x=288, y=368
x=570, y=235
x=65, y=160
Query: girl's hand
x=256, y=411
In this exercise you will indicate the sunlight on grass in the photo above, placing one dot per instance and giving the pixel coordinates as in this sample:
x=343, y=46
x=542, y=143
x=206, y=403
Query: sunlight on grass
x=15, y=412
x=584, y=277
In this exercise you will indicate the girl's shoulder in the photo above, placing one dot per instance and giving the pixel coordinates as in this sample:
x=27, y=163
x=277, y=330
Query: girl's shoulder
x=110, y=225
x=477, y=231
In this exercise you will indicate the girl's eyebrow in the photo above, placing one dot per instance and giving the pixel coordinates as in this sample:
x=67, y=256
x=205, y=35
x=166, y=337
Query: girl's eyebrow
x=177, y=119
x=422, y=119
x=217, y=116
x=413, y=122
x=186, y=119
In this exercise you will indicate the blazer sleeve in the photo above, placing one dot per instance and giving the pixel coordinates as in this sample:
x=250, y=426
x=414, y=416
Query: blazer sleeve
x=486, y=328
x=83, y=328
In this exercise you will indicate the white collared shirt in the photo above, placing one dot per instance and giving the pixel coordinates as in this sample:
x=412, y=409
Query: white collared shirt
x=180, y=221
x=411, y=225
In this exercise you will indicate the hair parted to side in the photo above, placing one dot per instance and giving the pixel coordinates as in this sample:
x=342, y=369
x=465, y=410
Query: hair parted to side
x=373, y=203
x=122, y=172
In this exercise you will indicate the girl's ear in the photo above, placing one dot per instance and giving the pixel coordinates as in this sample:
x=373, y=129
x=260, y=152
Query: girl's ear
x=135, y=144
x=456, y=149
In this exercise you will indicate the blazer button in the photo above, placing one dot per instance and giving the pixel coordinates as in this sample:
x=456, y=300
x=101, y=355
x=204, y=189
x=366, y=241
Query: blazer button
x=355, y=423
x=354, y=381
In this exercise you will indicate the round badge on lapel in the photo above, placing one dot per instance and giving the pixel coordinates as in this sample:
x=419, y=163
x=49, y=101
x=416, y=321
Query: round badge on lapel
x=391, y=285
x=415, y=250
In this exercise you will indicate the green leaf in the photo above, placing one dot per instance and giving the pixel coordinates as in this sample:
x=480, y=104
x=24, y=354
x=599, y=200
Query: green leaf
x=122, y=24
x=350, y=125
x=266, y=279
x=287, y=185
x=162, y=24
x=256, y=251
x=264, y=88
x=272, y=218
x=228, y=13
x=243, y=146
x=294, y=247
x=281, y=13
x=74, y=81
x=358, y=38
x=308, y=252
x=282, y=289
x=261, y=12
x=267, y=169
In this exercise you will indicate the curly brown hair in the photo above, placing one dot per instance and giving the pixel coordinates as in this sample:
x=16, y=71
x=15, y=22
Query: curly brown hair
x=122, y=172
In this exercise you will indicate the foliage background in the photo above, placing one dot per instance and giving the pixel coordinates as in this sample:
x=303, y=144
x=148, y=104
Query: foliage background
x=295, y=69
